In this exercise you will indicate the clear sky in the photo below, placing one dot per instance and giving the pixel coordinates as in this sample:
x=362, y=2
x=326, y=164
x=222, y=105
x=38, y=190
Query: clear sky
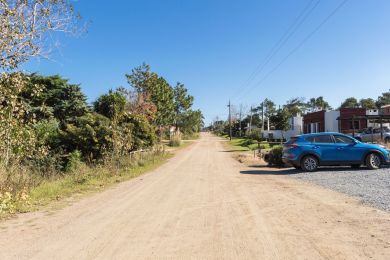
x=214, y=46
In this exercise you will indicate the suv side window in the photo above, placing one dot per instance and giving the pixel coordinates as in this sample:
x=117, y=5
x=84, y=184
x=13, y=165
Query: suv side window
x=340, y=139
x=310, y=139
x=324, y=139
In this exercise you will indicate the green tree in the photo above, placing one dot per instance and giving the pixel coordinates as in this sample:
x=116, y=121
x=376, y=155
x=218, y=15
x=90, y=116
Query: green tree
x=269, y=108
x=182, y=102
x=111, y=105
x=90, y=134
x=57, y=98
x=191, y=122
x=281, y=119
x=143, y=133
x=367, y=103
x=383, y=100
x=318, y=103
x=157, y=89
x=295, y=106
x=350, y=102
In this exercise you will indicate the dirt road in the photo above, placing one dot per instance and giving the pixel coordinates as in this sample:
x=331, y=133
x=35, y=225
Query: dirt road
x=203, y=204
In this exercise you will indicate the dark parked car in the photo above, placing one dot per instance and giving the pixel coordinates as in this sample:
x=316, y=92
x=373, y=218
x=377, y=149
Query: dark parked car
x=309, y=151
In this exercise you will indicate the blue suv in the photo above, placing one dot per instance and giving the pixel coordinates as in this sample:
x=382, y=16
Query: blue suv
x=309, y=151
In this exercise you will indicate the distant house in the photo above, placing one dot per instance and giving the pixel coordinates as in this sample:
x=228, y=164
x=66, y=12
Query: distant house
x=314, y=122
x=346, y=122
x=386, y=110
x=334, y=121
x=296, y=128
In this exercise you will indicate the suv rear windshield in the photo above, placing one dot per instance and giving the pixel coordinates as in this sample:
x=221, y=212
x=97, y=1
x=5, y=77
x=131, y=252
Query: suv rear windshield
x=292, y=140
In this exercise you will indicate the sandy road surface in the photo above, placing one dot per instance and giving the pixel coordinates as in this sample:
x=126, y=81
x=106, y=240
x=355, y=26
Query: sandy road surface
x=203, y=205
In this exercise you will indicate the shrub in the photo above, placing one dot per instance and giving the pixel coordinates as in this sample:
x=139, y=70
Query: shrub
x=175, y=140
x=274, y=158
x=264, y=146
x=255, y=134
x=74, y=161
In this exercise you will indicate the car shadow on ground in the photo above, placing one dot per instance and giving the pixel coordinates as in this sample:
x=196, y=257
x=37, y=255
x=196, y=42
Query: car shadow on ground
x=232, y=151
x=267, y=170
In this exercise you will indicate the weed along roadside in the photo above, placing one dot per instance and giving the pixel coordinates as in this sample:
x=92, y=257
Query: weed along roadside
x=56, y=192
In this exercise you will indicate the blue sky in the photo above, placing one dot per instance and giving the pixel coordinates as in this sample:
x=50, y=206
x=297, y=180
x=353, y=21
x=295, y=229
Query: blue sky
x=214, y=46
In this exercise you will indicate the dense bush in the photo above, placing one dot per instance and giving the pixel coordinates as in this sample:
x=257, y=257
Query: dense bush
x=274, y=157
x=90, y=134
x=264, y=146
x=175, y=140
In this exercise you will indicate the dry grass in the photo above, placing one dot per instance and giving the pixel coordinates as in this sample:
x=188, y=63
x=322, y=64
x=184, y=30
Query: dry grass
x=22, y=190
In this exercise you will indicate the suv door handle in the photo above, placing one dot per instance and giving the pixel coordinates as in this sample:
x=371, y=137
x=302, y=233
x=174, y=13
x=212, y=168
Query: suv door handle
x=340, y=148
x=316, y=147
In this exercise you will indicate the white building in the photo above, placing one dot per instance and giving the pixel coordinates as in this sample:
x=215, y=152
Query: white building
x=372, y=112
x=331, y=122
x=296, y=128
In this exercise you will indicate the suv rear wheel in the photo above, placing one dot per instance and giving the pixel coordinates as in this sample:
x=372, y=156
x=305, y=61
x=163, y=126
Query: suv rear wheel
x=373, y=161
x=309, y=163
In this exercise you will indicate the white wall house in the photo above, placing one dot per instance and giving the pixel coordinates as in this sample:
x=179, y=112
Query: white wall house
x=375, y=112
x=372, y=112
x=296, y=128
x=331, y=122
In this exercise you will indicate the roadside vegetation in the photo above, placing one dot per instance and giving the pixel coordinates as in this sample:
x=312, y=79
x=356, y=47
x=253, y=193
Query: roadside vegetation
x=54, y=143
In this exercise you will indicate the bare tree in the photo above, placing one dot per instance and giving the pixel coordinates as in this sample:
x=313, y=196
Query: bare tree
x=26, y=28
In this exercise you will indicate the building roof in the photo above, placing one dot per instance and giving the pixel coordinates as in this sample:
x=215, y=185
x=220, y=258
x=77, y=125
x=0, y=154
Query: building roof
x=386, y=106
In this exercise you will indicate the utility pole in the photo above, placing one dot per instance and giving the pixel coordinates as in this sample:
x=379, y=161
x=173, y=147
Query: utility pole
x=262, y=117
x=230, y=121
x=240, y=119
x=250, y=122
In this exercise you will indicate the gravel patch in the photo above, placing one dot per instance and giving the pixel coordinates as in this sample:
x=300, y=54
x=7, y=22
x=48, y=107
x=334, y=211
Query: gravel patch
x=371, y=187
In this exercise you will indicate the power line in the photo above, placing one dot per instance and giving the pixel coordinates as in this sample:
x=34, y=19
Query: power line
x=299, y=20
x=327, y=18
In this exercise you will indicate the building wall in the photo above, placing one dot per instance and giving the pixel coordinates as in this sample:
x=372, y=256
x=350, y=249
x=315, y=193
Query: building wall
x=314, y=122
x=386, y=110
x=372, y=112
x=331, y=122
x=278, y=134
x=296, y=128
x=346, y=125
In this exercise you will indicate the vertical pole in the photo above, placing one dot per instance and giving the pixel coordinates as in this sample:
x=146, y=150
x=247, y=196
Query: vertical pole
x=230, y=121
x=262, y=116
x=250, y=123
x=240, y=119
x=381, y=127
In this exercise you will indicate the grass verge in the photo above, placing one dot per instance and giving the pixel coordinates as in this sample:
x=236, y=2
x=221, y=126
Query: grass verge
x=83, y=180
x=243, y=144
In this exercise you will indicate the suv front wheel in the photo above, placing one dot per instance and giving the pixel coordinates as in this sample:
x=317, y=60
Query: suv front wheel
x=309, y=163
x=373, y=161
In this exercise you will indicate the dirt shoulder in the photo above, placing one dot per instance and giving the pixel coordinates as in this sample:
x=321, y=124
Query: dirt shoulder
x=203, y=204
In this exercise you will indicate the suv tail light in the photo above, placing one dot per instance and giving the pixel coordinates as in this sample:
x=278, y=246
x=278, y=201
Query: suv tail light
x=292, y=145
